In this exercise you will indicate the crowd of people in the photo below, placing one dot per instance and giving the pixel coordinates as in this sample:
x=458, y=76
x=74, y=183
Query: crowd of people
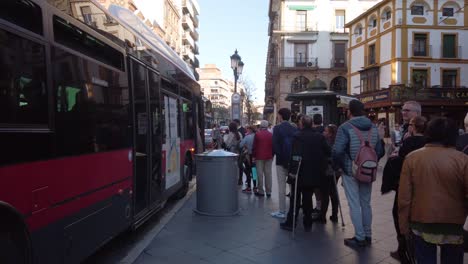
x=427, y=162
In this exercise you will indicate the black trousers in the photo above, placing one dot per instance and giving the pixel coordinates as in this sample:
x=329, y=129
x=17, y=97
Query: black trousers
x=304, y=198
x=400, y=238
x=325, y=197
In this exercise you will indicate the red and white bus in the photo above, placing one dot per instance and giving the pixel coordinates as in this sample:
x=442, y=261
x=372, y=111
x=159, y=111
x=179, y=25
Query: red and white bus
x=98, y=124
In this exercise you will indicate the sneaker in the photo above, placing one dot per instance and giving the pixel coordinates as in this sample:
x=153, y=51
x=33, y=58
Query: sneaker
x=286, y=226
x=334, y=218
x=354, y=242
x=259, y=194
x=368, y=240
x=247, y=190
x=321, y=220
x=268, y=195
x=255, y=190
x=278, y=215
x=395, y=255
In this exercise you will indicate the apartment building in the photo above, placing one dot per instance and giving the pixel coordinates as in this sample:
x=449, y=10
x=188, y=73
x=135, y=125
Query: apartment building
x=403, y=50
x=214, y=86
x=307, y=45
x=219, y=90
x=175, y=21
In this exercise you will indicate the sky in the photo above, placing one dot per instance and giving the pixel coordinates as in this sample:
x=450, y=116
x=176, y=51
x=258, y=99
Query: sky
x=227, y=25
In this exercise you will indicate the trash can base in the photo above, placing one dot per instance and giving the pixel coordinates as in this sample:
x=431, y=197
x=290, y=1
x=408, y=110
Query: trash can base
x=220, y=215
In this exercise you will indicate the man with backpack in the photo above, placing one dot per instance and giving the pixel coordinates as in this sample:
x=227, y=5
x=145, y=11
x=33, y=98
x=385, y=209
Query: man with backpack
x=282, y=144
x=357, y=150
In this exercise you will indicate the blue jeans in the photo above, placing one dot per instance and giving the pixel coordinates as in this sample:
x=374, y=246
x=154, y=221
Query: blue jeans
x=427, y=253
x=359, y=198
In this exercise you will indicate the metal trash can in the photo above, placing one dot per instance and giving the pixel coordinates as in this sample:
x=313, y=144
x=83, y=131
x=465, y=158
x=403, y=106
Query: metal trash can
x=217, y=175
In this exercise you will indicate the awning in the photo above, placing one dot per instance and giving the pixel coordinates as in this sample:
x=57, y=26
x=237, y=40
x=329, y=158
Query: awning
x=301, y=7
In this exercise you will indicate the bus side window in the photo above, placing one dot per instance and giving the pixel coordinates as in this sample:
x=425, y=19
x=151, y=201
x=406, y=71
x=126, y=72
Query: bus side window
x=23, y=13
x=23, y=89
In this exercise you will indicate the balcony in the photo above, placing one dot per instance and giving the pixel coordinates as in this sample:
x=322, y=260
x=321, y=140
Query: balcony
x=187, y=23
x=187, y=7
x=187, y=39
x=455, y=53
x=293, y=62
x=294, y=28
x=338, y=30
x=196, y=63
x=195, y=21
x=187, y=53
x=194, y=34
x=338, y=64
x=195, y=49
x=421, y=51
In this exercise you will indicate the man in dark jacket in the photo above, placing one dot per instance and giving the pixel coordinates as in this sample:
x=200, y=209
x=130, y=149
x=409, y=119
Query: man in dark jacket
x=282, y=143
x=318, y=123
x=240, y=128
x=315, y=151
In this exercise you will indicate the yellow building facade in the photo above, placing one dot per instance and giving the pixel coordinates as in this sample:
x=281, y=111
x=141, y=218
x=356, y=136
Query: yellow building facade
x=410, y=50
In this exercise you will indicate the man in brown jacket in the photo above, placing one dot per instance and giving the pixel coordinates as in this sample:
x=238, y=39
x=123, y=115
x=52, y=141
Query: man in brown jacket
x=433, y=195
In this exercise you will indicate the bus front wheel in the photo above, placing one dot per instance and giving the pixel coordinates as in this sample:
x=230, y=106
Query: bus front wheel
x=14, y=246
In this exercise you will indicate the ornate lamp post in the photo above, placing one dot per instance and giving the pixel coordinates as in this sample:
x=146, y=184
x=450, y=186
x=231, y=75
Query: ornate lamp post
x=237, y=66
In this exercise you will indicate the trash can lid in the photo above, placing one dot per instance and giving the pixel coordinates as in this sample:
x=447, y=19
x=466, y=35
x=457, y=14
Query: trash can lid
x=217, y=153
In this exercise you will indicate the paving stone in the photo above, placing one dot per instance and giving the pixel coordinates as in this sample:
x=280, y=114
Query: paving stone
x=254, y=236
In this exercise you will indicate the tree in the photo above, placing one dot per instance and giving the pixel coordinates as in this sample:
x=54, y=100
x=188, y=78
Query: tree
x=249, y=90
x=220, y=113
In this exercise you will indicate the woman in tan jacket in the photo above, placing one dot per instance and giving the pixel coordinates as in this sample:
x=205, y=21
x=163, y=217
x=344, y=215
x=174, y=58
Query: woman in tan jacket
x=433, y=195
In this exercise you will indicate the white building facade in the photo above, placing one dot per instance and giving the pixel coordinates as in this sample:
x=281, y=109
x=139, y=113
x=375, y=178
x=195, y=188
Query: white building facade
x=214, y=86
x=308, y=41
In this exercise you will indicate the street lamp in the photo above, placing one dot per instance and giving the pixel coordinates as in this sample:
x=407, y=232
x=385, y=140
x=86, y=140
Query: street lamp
x=237, y=66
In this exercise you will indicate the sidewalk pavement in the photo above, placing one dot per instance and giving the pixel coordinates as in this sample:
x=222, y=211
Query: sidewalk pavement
x=254, y=236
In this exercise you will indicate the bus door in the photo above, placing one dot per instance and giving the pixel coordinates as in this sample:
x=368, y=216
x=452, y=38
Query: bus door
x=147, y=135
x=156, y=139
x=171, y=138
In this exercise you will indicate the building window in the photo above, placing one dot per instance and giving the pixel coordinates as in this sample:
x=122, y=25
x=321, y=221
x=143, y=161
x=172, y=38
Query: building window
x=339, y=60
x=299, y=84
x=387, y=15
x=417, y=10
x=449, y=48
x=373, y=23
x=339, y=20
x=87, y=15
x=419, y=77
x=301, y=20
x=447, y=11
x=358, y=30
x=300, y=54
x=370, y=80
x=449, y=78
x=420, y=45
x=372, y=54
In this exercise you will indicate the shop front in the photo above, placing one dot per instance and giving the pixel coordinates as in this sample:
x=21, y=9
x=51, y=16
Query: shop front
x=387, y=103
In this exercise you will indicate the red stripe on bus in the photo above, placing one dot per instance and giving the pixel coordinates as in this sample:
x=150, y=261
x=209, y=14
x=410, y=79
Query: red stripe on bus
x=33, y=188
x=54, y=214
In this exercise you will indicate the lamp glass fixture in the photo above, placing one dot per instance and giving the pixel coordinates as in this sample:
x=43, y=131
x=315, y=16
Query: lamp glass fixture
x=240, y=67
x=235, y=59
